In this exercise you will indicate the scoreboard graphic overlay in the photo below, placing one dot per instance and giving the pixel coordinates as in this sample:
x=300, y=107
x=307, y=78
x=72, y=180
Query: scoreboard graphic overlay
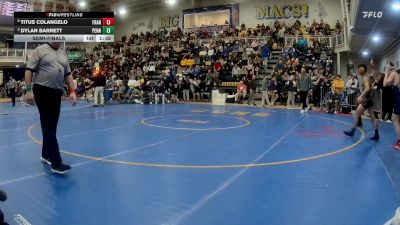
x=64, y=27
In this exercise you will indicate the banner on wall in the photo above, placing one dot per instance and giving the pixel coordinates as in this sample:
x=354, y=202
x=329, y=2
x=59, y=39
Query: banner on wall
x=213, y=16
x=286, y=11
x=169, y=21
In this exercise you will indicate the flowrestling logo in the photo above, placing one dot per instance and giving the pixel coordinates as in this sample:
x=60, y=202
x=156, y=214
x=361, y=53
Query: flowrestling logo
x=372, y=14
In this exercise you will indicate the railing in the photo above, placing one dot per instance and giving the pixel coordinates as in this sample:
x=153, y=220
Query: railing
x=336, y=40
x=332, y=41
x=11, y=52
x=103, y=52
x=349, y=97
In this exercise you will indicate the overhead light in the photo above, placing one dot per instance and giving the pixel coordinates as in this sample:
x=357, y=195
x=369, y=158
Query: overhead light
x=365, y=53
x=82, y=4
x=122, y=11
x=17, y=66
x=170, y=2
x=396, y=5
x=376, y=38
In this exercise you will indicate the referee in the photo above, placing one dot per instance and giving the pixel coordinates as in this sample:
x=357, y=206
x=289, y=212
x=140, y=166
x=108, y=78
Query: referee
x=13, y=86
x=47, y=69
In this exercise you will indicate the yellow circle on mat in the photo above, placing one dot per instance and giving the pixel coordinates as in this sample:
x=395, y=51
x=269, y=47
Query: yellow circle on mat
x=246, y=123
x=174, y=166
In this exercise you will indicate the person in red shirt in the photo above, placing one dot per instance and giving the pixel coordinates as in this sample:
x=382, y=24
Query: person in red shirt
x=218, y=66
x=241, y=91
x=218, y=69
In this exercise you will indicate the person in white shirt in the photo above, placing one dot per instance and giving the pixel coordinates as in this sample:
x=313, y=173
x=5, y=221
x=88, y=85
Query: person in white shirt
x=254, y=44
x=220, y=48
x=249, y=51
x=203, y=54
x=136, y=83
x=146, y=68
x=352, y=83
x=236, y=71
x=131, y=83
x=352, y=89
x=281, y=36
x=243, y=71
x=249, y=68
x=210, y=54
x=152, y=68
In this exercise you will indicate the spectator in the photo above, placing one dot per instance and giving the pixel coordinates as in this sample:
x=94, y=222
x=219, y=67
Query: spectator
x=186, y=89
x=264, y=92
x=338, y=84
x=291, y=88
x=236, y=71
x=109, y=90
x=147, y=93
x=266, y=54
x=304, y=86
x=174, y=90
x=197, y=71
x=352, y=89
x=241, y=91
x=388, y=100
x=195, y=88
x=159, y=92
x=281, y=36
x=218, y=66
x=333, y=100
x=249, y=51
x=12, y=84
x=210, y=54
x=253, y=88
x=338, y=27
x=280, y=65
x=99, y=82
x=273, y=90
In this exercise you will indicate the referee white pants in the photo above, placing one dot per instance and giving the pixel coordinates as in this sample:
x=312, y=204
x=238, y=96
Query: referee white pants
x=265, y=98
x=99, y=96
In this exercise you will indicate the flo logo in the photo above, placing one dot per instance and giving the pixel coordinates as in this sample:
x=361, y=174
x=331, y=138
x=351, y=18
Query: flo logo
x=372, y=14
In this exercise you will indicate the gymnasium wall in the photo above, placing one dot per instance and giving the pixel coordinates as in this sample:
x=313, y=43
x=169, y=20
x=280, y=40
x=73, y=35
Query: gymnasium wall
x=392, y=56
x=356, y=59
x=252, y=12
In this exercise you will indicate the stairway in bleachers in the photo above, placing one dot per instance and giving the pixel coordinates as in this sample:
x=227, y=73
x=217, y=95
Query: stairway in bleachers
x=275, y=57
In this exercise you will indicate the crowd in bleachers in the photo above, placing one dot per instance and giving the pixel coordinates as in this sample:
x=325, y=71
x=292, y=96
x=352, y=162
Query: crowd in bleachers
x=190, y=71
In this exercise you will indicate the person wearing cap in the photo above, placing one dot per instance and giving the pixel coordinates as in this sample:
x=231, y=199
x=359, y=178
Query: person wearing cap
x=46, y=71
